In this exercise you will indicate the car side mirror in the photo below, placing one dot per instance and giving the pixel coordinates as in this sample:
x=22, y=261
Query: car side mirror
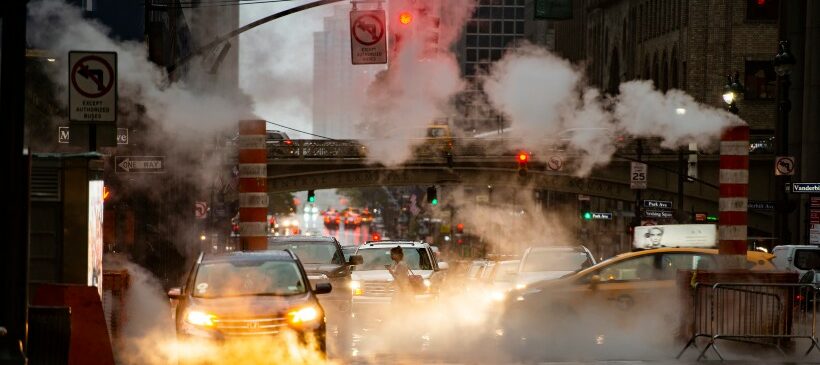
x=356, y=260
x=175, y=293
x=443, y=265
x=323, y=288
x=594, y=280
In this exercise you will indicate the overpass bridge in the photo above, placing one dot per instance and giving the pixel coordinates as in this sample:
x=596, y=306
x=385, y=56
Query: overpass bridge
x=296, y=165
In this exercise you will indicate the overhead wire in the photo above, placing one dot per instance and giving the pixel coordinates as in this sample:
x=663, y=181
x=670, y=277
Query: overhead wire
x=300, y=131
x=212, y=3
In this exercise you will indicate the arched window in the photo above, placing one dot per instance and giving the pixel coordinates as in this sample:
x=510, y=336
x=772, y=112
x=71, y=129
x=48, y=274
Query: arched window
x=614, y=72
x=665, y=73
x=674, y=69
x=647, y=75
x=655, y=70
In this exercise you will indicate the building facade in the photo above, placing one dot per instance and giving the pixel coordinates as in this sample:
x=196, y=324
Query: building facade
x=680, y=44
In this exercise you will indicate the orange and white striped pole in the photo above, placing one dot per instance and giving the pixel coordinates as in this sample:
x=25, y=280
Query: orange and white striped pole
x=253, y=186
x=734, y=190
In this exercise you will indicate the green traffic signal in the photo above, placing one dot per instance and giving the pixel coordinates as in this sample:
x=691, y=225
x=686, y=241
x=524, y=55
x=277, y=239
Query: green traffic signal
x=587, y=216
x=434, y=201
x=312, y=199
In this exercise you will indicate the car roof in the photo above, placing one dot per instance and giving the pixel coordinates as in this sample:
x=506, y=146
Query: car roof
x=249, y=255
x=756, y=256
x=301, y=239
x=388, y=244
x=576, y=248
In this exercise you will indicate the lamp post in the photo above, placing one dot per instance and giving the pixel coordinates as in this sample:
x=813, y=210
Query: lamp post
x=783, y=63
x=732, y=91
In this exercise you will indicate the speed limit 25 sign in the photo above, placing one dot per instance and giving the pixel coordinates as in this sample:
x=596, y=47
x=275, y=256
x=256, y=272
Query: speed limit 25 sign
x=637, y=176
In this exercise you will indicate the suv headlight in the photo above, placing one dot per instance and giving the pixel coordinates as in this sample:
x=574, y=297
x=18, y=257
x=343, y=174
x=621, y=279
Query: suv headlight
x=356, y=287
x=198, y=318
x=304, y=315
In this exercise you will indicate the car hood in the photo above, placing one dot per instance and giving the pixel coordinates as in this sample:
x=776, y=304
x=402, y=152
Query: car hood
x=321, y=268
x=384, y=275
x=250, y=306
x=532, y=277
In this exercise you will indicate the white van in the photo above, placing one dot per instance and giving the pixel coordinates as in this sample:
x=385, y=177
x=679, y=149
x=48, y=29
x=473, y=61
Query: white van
x=798, y=258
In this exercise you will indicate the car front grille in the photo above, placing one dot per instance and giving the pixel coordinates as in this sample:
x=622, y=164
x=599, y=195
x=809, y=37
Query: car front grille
x=378, y=288
x=250, y=326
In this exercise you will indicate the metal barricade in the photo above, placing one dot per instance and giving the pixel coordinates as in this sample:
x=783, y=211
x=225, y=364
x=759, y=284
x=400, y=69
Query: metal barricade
x=115, y=288
x=765, y=314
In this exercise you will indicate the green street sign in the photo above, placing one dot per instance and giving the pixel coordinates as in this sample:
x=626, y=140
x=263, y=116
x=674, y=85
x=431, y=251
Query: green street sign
x=553, y=9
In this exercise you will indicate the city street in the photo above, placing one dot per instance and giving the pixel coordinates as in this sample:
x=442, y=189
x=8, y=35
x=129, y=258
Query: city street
x=302, y=182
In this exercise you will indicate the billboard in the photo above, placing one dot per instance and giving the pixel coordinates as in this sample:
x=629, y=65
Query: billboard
x=95, y=234
x=677, y=235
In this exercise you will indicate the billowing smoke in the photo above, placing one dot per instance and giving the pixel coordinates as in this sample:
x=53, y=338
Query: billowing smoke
x=417, y=87
x=548, y=104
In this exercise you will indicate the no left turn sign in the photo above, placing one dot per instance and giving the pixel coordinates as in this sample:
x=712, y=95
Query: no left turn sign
x=92, y=83
x=368, y=43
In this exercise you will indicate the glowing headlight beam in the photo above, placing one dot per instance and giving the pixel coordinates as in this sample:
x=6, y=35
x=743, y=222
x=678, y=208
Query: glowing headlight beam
x=198, y=318
x=304, y=315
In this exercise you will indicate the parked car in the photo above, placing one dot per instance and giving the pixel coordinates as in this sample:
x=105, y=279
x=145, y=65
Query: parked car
x=238, y=295
x=803, y=259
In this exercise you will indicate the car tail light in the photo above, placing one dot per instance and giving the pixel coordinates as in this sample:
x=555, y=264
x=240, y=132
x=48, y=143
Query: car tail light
x=288, y=142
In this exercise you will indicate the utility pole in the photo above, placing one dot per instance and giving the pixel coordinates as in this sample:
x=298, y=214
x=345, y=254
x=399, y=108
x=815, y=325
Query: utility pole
x=15, y=225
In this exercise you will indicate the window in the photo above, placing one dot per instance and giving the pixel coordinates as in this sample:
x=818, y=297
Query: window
x=472, y=41
x=484, y=41
x=672, y=262
x=495, y=55
x=760, y=80
x=483, y=54
x=472, y=27
x=497, y=27
x=471, y=55
x=635, y=269
x=498, y=13
x=762, y=10
x=807, y=259
x=519, y=27
x=509, y=27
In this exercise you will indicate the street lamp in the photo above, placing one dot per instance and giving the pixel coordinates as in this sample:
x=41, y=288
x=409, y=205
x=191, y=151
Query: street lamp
x=783, y=63
x=732, y=91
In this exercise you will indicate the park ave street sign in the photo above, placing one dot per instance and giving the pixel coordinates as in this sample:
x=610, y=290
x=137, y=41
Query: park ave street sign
x=139, y=164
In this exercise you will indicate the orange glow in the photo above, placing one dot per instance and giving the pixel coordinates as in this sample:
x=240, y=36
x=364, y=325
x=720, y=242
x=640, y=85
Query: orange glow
x=106, y=193
x=523, y=157
x=405, y=17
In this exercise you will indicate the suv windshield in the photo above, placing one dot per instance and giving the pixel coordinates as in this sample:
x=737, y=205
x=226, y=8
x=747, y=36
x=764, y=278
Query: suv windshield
x=247, y=278
x=311, y=252
x=807, y=259
x=376, y=258
x=556, y=261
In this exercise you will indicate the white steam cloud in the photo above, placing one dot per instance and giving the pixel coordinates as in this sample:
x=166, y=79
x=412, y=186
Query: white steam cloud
x=417, y=87
x=547, y=103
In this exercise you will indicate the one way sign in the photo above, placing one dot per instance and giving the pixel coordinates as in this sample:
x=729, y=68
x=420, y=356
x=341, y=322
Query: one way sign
x=139, y=164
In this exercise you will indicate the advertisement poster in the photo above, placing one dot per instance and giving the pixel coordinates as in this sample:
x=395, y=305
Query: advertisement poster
x=95, y=234
x=678, y=235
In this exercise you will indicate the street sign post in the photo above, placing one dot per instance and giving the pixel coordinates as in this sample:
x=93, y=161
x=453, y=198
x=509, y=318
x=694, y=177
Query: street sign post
x=605, y=216
x=122, y=135
x=638, y=176
x=761, y=205
x=657, y=214
x=139, y=164
x=555, y=163
x=368, y=37
x=92, y=87
x=806, y=188
x=657, y=204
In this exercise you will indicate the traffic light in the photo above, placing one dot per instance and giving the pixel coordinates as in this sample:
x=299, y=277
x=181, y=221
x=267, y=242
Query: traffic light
x=311, y=196
x=523, y=159
x=460, y=228
x=376, y=237
x=432, y=196
x=586, y=210
x=405, y=17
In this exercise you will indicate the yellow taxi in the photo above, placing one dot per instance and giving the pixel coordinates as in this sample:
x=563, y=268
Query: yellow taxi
x=612, y=296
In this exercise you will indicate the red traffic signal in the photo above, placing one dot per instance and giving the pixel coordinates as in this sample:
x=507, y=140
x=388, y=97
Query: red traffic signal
x=460, y=228
x=376, y=237
x=405, y=17
x=523, y=158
